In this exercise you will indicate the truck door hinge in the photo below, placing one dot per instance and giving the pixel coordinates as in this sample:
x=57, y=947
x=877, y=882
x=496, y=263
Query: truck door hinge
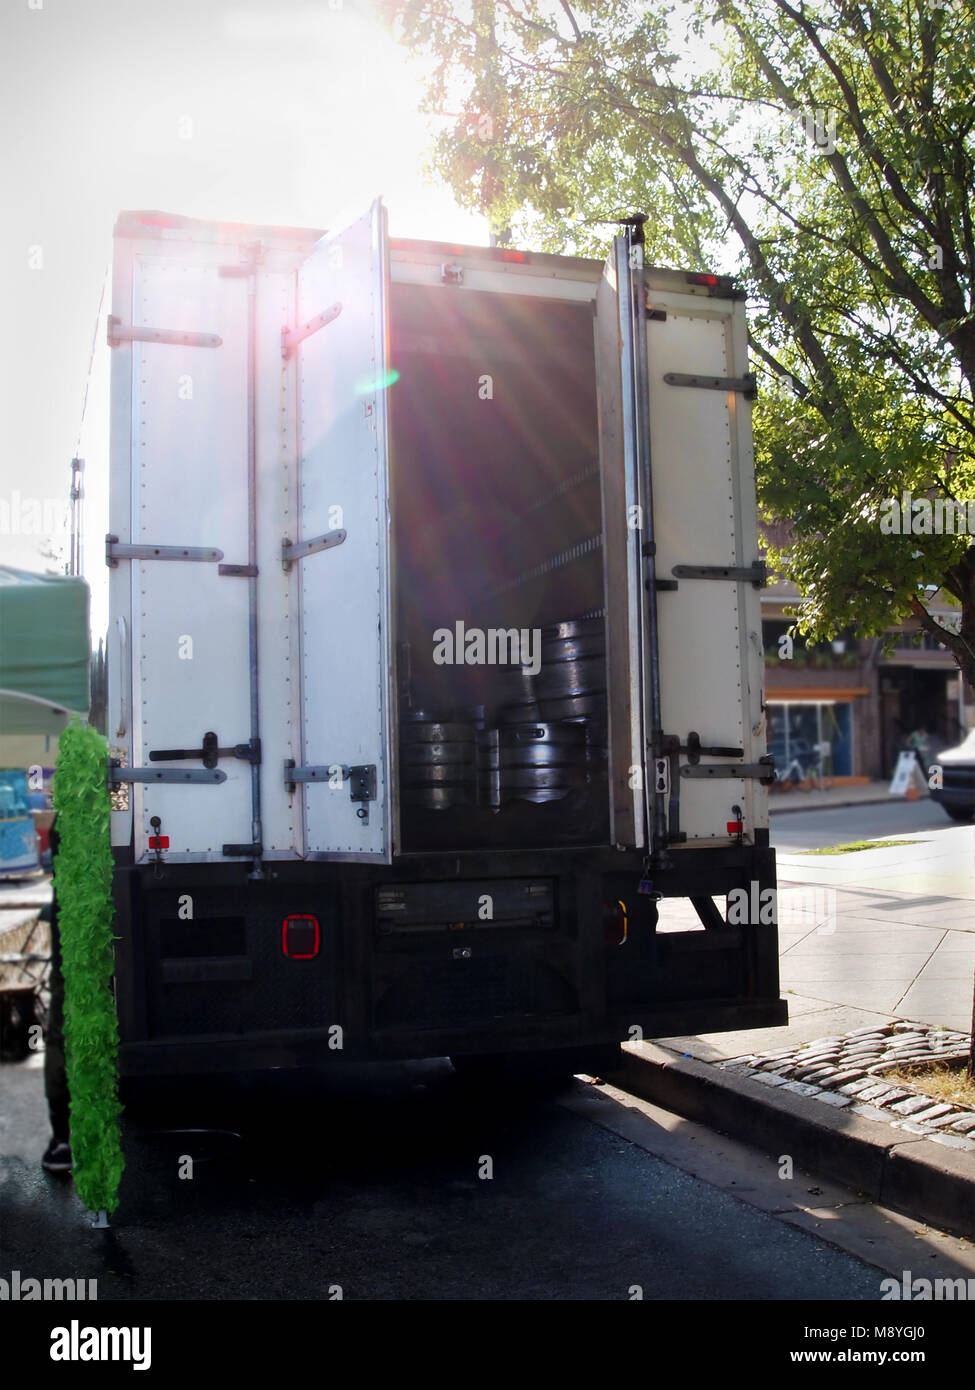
x=322, y=772
x=297, y=550
x=118, y=775
x=210, y=752
x=762, y=771
x=119, y=333
x=745, y=384
x=361, y=779
x=116, y=550
x=291, y=337
x=755, y=573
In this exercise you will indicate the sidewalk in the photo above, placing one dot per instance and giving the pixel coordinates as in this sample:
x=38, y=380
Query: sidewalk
x=876, y=936
x=869, y=941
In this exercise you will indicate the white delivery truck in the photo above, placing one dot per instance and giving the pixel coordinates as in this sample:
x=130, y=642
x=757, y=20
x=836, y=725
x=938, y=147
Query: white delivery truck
x=436, y=655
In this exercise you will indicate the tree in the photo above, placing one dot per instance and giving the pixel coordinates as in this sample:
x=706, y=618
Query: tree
x=822, y=150
x=824, y=154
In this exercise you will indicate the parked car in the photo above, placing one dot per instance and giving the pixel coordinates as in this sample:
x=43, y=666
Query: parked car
x=956, y=795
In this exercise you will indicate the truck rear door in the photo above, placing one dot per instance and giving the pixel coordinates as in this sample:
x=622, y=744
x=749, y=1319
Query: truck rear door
x=622, y=559
x=179, y=512
x=710, y=625
x=679, y=505
x=341, y=547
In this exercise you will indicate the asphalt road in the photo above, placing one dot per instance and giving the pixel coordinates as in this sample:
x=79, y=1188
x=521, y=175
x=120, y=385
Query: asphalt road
x=836, y=825
x=378, y=1186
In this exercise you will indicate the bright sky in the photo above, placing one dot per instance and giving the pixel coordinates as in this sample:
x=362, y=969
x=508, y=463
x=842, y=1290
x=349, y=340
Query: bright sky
x=294, y=112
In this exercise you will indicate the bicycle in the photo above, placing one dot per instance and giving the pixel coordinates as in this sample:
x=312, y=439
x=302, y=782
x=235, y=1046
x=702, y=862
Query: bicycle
x=788, y=778
x=805, y=777
x=817, y=775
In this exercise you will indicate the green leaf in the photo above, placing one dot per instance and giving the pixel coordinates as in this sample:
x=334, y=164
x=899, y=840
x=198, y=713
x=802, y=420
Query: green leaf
x=83, y=884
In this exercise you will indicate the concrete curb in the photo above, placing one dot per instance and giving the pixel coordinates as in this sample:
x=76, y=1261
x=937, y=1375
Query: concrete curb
x=775, y=808
x=910, y=1175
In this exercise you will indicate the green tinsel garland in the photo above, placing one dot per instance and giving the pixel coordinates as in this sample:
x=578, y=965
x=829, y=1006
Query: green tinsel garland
x=83, y=883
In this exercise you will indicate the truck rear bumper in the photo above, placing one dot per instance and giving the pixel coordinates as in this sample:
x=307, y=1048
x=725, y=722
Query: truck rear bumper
x=310, y=1048
x=571, y=958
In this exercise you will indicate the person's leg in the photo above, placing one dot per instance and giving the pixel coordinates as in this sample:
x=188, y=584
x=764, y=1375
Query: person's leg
x=57, y=1158
x=55, y=1072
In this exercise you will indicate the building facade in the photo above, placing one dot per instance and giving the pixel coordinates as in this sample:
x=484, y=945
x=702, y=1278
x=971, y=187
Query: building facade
x=857, y=700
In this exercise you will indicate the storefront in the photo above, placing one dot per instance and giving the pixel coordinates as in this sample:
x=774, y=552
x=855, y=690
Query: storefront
x=812, y=733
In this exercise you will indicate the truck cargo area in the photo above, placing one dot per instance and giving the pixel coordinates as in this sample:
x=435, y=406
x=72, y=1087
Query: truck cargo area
x=404, y=752
x=497, y=538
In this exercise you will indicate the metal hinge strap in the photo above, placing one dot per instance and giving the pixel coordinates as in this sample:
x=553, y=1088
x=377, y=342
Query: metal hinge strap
x=745, y=384
x=312, y=773
x=297, y=550
x=117, y=775
x=238, y=571
x=362, y=779
x=761, y=771
x=119, y=332
x=755, y=573
x=116, y=550
x=291, y=337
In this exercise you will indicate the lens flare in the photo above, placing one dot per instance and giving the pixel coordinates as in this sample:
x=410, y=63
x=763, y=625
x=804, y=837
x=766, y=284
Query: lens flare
x=367, y=385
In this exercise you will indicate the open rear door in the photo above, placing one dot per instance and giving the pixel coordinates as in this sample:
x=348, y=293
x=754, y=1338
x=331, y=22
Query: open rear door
x=341, y=545
x=616, y=376
x=682, y=569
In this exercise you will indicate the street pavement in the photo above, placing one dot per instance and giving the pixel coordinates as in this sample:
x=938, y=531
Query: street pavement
x=383, y=1187
x=869, y=937
x=405, y=1182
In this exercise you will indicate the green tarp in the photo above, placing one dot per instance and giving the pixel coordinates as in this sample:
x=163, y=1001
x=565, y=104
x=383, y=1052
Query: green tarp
x=44, y=651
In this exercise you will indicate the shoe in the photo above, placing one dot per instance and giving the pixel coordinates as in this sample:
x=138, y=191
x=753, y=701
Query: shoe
x=57, y=1157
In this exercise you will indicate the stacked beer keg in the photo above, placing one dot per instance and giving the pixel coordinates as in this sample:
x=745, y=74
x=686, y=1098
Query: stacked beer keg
x=547, y=739
x=550, y=735
x=437, y=762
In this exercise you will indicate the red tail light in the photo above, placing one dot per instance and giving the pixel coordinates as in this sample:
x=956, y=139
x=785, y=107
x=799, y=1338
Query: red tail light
x=300, y=937
x=159, y=842
x=695, y=278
